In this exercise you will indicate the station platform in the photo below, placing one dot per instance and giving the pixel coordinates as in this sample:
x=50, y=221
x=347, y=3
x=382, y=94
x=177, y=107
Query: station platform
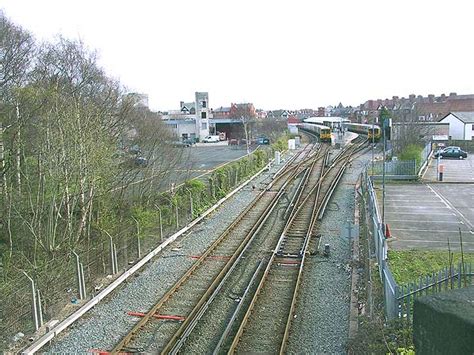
x=344, y=138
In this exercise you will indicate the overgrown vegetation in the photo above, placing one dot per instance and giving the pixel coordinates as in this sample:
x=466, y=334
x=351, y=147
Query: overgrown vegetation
x=412, y=152
x=410, y=265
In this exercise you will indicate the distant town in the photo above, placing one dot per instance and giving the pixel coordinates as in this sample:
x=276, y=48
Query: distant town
x=197, y=119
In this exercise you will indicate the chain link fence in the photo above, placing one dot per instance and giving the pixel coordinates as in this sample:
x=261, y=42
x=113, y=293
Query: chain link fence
x=33, y=295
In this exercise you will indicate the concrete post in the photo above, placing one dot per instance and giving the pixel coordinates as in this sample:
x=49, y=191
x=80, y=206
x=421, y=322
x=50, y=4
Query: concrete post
x=33, y=301
x=79, y=277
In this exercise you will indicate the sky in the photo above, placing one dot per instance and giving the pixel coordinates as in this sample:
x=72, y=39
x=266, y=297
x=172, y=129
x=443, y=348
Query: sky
x=275, y=54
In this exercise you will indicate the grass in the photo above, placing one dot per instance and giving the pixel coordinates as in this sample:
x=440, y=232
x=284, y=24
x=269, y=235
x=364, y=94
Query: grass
x=409, y=265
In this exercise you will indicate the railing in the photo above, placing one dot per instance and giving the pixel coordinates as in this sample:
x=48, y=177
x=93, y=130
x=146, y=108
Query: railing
x=402, y=169
x=446, y=279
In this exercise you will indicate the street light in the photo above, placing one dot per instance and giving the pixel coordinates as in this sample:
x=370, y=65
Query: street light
x=384, y=121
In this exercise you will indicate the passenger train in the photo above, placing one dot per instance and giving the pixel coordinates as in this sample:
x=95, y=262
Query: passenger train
x=372, y=131
x=323, y=132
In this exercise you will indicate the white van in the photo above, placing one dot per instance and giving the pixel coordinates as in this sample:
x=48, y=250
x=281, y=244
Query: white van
x=211, y=139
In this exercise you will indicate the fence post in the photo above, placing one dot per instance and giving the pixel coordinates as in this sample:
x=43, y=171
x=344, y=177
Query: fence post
x=40, y=308
x=33, y=301
x=161, y=225
x=79, y=276
x=115, y=258
x=84, y=294
x=459, y=275
x=112, y=255
x=177, y=214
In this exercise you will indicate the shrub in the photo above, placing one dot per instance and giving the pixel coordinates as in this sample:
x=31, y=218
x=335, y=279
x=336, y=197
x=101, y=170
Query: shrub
x=411, y=152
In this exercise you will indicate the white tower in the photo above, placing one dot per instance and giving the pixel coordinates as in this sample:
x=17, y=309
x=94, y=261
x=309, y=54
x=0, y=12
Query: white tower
x=202, y=114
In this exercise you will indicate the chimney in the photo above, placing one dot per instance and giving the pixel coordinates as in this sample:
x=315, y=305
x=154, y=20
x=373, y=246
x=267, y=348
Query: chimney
x=412, y=97
x=395, y=98
x=443, y=96
x=451, y=94
x=431, y=98
x=181, y=104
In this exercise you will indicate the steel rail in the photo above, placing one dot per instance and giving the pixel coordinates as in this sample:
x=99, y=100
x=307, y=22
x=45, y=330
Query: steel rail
x=301, y=202
x=319, y=213
x=179, y=338
x=141, y=323
x=316, y=208
x=149, y=315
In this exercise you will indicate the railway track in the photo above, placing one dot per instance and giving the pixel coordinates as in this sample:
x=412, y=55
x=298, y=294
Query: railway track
x=188, y=301
x=266, y=324
x=182, y=303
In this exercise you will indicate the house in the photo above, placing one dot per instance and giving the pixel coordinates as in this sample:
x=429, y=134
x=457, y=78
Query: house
x=278, y=114
x=430, y=108
x=461, y=125
x=221, y=112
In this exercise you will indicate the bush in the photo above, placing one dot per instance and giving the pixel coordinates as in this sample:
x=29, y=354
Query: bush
x=411, y=152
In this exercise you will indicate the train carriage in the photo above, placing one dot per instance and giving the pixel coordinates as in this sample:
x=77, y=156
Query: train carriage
x=323, y=132
x=373, y=132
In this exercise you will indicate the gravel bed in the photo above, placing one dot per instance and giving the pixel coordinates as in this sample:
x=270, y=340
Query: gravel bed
x=322, y=314
x=102, y=327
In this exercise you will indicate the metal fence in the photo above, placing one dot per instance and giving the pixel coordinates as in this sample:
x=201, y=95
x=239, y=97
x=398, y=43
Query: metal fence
x=396, y=169
x=38, y=294
x=449, y=278
x=401, y=169
x=398, y=300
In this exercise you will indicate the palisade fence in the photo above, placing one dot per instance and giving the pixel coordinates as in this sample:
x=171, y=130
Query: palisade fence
x=31, y=296
x=398, y=300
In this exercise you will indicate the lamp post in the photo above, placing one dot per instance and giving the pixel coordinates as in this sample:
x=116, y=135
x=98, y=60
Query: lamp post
x=383, y=121
x=373, y=142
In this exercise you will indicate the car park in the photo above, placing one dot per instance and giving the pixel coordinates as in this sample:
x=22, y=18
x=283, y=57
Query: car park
x=451, y=152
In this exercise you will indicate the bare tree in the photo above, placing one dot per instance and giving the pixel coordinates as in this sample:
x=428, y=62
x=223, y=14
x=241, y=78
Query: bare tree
x=410, y=126
x=246, y=114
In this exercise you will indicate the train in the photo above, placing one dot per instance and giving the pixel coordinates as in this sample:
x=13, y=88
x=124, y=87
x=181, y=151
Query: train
x=373, y=132
x=323, y=132
x=335, y=123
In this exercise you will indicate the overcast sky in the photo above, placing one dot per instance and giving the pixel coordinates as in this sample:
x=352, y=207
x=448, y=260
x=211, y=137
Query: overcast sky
x=276, y=54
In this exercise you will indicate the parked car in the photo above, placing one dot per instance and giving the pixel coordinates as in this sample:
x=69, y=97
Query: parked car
x=140, y=161
x=135, y=149
x=451, y=152
x=189, y=141
x=180, y=144
x=211, y=139
x=263, y=140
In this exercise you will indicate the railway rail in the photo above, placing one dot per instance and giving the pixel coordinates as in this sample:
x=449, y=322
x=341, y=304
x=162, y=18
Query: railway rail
x=189, y=300
x=185, y=299
x=267, y=322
